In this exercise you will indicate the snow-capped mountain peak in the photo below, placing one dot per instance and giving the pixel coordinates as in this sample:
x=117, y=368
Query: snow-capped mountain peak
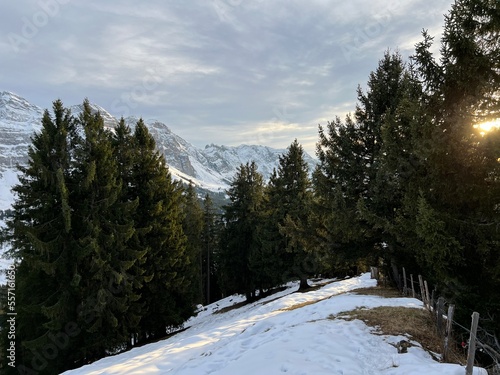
x=211, y=168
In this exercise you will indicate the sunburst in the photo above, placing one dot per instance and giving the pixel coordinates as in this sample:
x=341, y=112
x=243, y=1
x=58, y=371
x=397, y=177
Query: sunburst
x=485, y=127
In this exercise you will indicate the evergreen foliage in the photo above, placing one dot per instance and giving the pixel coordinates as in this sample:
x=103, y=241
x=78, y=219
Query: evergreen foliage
x=97, y=239
x=193, y=227
x=164, y=295
x=410, y=178
x=240, y=238
x=43, y=246
x=290, y=249
x=210, y=244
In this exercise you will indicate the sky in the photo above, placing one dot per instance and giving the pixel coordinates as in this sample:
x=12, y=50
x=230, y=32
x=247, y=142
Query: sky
x=215, y=71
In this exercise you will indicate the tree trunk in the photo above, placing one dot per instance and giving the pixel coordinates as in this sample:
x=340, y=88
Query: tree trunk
x=303, y=284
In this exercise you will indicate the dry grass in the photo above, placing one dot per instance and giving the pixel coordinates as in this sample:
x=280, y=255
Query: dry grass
x=380, y=290
x=417, y=324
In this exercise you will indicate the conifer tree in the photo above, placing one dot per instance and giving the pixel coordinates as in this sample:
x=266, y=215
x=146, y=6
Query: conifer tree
x=193, y=229
x=102, y=227
x=457, y=207
x=40, y=234
x=125, y=155
x=159, y=214
x=240, y=237
x=351, y=179
x=290, y=196
x=209, y=239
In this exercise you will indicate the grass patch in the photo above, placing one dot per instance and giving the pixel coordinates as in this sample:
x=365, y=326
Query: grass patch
x=417, y=324
x=303, y=304
x=382, y=291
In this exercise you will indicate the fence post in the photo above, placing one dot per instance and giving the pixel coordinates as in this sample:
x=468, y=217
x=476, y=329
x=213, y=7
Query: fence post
x=427, y=297
x=440, y=312
x=412, y=286
x=472, y=344
x=449, y=327
x=422, y=290
x=405, y=286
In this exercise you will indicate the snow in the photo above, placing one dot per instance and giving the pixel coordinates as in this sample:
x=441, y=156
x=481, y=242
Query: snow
x=287, y=332
x=8, y=179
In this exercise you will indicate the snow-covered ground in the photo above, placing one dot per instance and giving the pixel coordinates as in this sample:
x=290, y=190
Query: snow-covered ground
x=270, y=336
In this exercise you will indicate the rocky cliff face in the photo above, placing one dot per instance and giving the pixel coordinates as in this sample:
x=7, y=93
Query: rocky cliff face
x=210, y=168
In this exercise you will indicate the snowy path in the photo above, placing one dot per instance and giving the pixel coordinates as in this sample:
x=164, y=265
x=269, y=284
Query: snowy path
x=270, y=338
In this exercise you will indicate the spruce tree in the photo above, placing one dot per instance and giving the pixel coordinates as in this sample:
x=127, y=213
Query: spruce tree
x=193, y=229
x=102, y=227
x=124, y=152
x=458, y=201
x=240, y=239
x=210, y=243
x=159, y=216
x=40, y=235
x=352, y=178
x=290, y=196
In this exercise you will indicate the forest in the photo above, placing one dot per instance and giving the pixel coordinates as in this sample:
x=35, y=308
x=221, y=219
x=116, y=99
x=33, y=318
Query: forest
x=111, y=253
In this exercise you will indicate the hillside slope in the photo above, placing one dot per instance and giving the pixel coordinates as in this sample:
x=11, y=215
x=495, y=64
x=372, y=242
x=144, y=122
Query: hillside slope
x=294, y=333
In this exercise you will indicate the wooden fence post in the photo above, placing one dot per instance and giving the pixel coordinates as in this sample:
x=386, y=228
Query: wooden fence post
x=412, y=286
x=472, y=344
x=427, y=297
x=422, y=290
x=405, y=286
x=439, y=316
x=449, y=328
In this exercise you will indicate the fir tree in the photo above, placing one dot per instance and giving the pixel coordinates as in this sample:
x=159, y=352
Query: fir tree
x=240, y=237
x=159, y=215
x=457, y=206
x=365, y=163
x=290, y=197
x=40, y=233
x=193, y=229
x=209, y=239
x=102, y=226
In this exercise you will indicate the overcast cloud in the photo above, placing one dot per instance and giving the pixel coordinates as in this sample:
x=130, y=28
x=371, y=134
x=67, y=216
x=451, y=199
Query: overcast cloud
x=215, y=71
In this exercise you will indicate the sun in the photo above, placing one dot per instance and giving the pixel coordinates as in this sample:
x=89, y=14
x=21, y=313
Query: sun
x=487, y=126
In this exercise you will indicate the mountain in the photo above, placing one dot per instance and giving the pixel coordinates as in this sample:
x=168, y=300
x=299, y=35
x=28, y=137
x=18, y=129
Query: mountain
x=211, y=168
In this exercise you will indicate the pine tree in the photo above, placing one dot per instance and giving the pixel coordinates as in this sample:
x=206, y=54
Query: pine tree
x=102, y=226
x=240, y=237
x=458, y=202
x=193, y=229
x=159, y=216
x=290, y=195
x=124, y=153
x=353, y=177
x=40, y=233
x=209, y=239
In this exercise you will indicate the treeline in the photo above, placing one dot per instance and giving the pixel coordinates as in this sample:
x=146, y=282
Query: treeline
x=411, y=178
x=106, y=250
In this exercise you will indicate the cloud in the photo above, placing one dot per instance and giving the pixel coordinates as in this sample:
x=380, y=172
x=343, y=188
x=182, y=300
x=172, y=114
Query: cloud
x=218, y=71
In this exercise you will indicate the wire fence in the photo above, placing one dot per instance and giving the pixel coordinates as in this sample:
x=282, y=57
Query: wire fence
x=477, y=342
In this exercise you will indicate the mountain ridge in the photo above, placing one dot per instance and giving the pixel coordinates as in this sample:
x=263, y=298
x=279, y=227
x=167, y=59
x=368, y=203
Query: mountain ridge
x=210, y=168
